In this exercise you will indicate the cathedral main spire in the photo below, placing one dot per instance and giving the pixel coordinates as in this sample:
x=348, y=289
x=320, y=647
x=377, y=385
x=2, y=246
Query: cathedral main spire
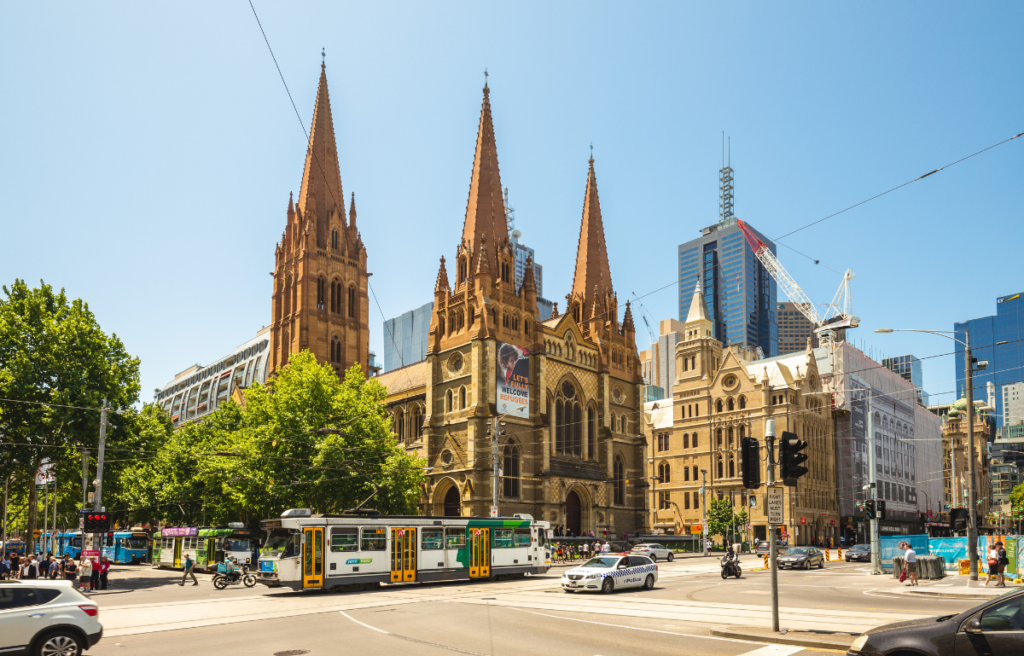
x=485, y=210
x=593, y=278
x=321, y=193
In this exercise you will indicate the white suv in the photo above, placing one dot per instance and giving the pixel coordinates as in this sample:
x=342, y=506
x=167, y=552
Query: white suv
x=46, y=618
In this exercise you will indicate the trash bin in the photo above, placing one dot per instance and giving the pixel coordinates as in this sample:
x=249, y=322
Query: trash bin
x=928, y=567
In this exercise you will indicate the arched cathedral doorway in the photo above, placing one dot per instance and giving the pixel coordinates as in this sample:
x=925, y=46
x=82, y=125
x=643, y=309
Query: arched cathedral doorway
x=573, y=513
x=452, y=503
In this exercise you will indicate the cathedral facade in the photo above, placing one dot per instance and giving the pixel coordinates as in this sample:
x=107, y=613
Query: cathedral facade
x=556, y=402
x=320, y=300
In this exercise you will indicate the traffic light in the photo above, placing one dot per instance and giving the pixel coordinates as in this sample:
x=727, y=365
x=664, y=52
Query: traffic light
x=790, y=447
x=97, y=522
x=750, y=461
x=958, y=518
x=110, y=538
x=881, y=509
x=869, y=509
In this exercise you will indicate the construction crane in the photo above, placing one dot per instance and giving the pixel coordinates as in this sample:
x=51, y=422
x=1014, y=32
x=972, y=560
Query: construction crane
x=838, y=318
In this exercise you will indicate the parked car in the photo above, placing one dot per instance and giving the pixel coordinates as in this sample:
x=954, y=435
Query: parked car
x=38, y=617
x=859, y=552
x=764, y=547
x=802, y=557
x=654, y=551
x=609, y=572
x=993, y=627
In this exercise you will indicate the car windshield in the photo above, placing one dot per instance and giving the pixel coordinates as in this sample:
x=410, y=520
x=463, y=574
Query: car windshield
x=642, y=546
x=236, y=544
x=136, y=543
x=605, y=563
x=798, y=551
x=860, y=547
x=282, y=543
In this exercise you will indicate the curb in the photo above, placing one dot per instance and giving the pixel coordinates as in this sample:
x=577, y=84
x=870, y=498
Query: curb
x=952, y=595
x=809, y=643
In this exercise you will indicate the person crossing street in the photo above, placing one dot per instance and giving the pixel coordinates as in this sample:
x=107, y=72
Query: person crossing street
x=189, y=570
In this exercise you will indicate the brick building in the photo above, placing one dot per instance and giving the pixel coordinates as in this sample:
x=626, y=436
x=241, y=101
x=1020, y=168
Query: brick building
x=564, y=392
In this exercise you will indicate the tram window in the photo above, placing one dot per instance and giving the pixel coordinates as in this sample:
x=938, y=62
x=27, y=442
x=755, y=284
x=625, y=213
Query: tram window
x=542, y=537
x=455, y=538
x=344, y=538
x=522, y=537
x=433, y=538
x=374, y=539
x=502, y=538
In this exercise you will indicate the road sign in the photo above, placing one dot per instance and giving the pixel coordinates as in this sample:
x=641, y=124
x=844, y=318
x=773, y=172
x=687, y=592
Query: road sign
x=774, y=503
x=803, y=520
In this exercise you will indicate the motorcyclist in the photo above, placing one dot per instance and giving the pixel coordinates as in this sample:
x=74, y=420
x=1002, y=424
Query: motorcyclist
x=731, y=555
x=231, y=569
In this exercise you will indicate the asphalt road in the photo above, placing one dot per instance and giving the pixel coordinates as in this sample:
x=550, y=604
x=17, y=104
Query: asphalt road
x=522, y=616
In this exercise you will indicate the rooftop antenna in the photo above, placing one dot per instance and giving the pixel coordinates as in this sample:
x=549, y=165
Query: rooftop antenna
x=725, y=186
x=323, y=56
x=485, y=78
x=510, y=213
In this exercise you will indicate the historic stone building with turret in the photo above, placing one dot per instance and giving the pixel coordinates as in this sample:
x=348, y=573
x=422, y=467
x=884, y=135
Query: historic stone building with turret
x=320, y=298
x=557, y=400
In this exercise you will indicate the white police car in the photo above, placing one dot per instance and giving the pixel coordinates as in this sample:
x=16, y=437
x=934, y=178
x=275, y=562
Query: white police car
x=609, y=572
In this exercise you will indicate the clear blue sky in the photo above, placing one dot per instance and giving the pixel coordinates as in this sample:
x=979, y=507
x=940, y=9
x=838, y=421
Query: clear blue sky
x=148, y=149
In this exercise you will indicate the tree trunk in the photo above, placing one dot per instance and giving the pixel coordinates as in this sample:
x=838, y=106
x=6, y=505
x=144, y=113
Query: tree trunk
x=33, y=510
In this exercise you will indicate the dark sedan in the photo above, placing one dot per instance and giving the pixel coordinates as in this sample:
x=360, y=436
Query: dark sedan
x=994, y=628
x=859, y=552
x=802, y=557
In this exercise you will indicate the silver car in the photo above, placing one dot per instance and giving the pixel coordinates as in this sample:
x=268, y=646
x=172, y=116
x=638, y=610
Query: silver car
x=654, y=551
x=38, y=616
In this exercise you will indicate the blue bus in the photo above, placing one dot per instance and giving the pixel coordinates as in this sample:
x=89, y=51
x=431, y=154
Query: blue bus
x=66, y=542
x=17, y=546
x=126, y=546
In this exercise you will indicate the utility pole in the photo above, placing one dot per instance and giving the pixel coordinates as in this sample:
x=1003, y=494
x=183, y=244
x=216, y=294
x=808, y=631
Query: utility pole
x=704, y=510
x=7, y=489
x=85, y=478
x=496, y=433
x=876, y=556
x=773, y=548
x=96, y=499
x=46, y=512
x=972, y=519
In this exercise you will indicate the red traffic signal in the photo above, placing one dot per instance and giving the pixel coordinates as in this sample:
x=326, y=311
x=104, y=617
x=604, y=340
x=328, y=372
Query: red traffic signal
x=97, y=523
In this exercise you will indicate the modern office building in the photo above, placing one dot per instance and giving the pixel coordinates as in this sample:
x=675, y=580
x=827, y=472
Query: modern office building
x=1013, y=404
x=999, y=339
x=658, y=363
x=909, y=368
x=405, y=337
x=740, y=295
x=794, y=329
x=1002, y=477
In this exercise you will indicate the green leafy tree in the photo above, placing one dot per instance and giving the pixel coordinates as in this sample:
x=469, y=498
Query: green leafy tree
x=56, y=368
x=722, y=519
x=306, y=440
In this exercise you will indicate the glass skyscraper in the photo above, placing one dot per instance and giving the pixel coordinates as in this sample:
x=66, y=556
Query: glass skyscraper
x=997, y=339
x=405, y=337
x=741, y=296
x=909, y=368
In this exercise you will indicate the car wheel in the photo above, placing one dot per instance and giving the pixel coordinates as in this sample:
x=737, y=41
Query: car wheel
x=821, y=564
x=654, y=558
x=649, y=582
x=59, y=643
x=671, y=557
x=608, y=585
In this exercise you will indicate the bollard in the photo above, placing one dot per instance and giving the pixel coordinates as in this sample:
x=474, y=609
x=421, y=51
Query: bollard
x=840, y=553
x=828, y=558
x=766, y=561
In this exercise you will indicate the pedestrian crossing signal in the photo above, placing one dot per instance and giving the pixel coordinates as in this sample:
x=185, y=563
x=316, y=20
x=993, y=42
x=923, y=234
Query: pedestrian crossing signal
x=750, y=461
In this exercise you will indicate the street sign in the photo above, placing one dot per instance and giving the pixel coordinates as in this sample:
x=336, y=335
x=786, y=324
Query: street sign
x=774, y=503
x=803, y=520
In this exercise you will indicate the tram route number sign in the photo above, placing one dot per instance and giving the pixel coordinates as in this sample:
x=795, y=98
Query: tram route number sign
x=773, y=501
x=476, y=533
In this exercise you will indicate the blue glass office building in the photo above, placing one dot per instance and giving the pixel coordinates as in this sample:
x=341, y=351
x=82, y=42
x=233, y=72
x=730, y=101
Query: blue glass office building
x=406, y=336
x=741, y=296
x=1005, y=361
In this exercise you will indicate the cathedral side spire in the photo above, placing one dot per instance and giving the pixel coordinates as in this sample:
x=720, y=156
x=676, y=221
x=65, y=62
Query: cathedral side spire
x=485, y=209
x=698, y=309
x=321, y=192
x=593, y=276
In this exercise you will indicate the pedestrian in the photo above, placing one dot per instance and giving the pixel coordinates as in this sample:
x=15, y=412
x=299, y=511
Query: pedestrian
x=15, y=564
x=5, y=567
x=55, y=568
x=189, y=567
x=85, y=574
x=29, y=569
x=1003, y=562
x=606, y=548
x=69, y=568
x=94, y=580
x=586, y=549
x=993, y=566
x=104, y=569
x=910, y=564
x=757, y=541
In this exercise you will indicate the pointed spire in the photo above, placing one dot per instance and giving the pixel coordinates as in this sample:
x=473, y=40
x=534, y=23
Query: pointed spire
x=592, y=270
x=485, y=209
x=291, y=205
x=321, y=179
x=627, y=320
x=529, y=282
x=442, y=278
x=483, y=259
x=698, y=310
x=352, y=211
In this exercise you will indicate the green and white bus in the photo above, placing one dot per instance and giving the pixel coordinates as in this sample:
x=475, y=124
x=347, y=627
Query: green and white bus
x=305, y=551
x=208, y=545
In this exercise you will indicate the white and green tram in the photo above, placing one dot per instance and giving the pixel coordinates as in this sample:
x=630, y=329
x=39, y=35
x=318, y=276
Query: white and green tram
x=304, y=551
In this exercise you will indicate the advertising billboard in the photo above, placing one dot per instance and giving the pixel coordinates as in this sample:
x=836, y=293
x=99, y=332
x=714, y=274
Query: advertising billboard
x=513, y=381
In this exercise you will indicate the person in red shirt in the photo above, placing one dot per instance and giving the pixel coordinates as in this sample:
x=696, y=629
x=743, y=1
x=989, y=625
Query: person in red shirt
x=103, y=567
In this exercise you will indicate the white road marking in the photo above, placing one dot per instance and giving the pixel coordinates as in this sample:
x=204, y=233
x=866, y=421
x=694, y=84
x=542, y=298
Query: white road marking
x=372, y=628
x=775, y=650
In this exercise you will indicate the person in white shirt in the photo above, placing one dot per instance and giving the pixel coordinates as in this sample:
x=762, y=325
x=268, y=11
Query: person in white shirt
x=995, y=569
x=586, y=548
x=606, y=548
x=910, y=564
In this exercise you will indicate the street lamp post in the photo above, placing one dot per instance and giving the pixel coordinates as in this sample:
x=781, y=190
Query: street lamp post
x=972, y=524
x=704, y=509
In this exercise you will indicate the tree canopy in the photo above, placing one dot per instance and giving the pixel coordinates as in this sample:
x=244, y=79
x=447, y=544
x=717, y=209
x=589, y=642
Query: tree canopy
x=721, y=518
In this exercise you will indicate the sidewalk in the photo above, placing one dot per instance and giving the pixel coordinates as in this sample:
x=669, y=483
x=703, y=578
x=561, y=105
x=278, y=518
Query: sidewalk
x=958, y=587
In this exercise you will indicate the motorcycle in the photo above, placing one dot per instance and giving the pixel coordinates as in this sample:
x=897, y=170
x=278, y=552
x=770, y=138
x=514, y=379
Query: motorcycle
x=222, y=580
x=730, y=568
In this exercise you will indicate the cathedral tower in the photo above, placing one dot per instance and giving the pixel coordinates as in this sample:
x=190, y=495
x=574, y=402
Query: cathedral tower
x=320, y=298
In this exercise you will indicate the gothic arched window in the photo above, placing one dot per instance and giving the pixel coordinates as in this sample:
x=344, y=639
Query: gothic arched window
x=592, y=432
x=743, y=402
x=732, y=468
x=440, y=326
x=463, y=268
x=462, y=398
x=352, y=302
x=321, y=293
x=619, y=480
x=400, y=425
x=718, y=405
x=510, y=471
x=720, y=469
x=448, y=400
x=731, y=404
x=686, y=474
x=334, y=239
x=417, y=422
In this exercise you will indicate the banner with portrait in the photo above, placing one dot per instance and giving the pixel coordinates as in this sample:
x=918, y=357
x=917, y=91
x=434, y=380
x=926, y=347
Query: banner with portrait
x=513, y=381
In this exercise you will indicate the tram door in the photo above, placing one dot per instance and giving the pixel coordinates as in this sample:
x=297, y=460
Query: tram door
x=312, y=558
x=479, y=553
x=403, y=555
x=177, y=551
